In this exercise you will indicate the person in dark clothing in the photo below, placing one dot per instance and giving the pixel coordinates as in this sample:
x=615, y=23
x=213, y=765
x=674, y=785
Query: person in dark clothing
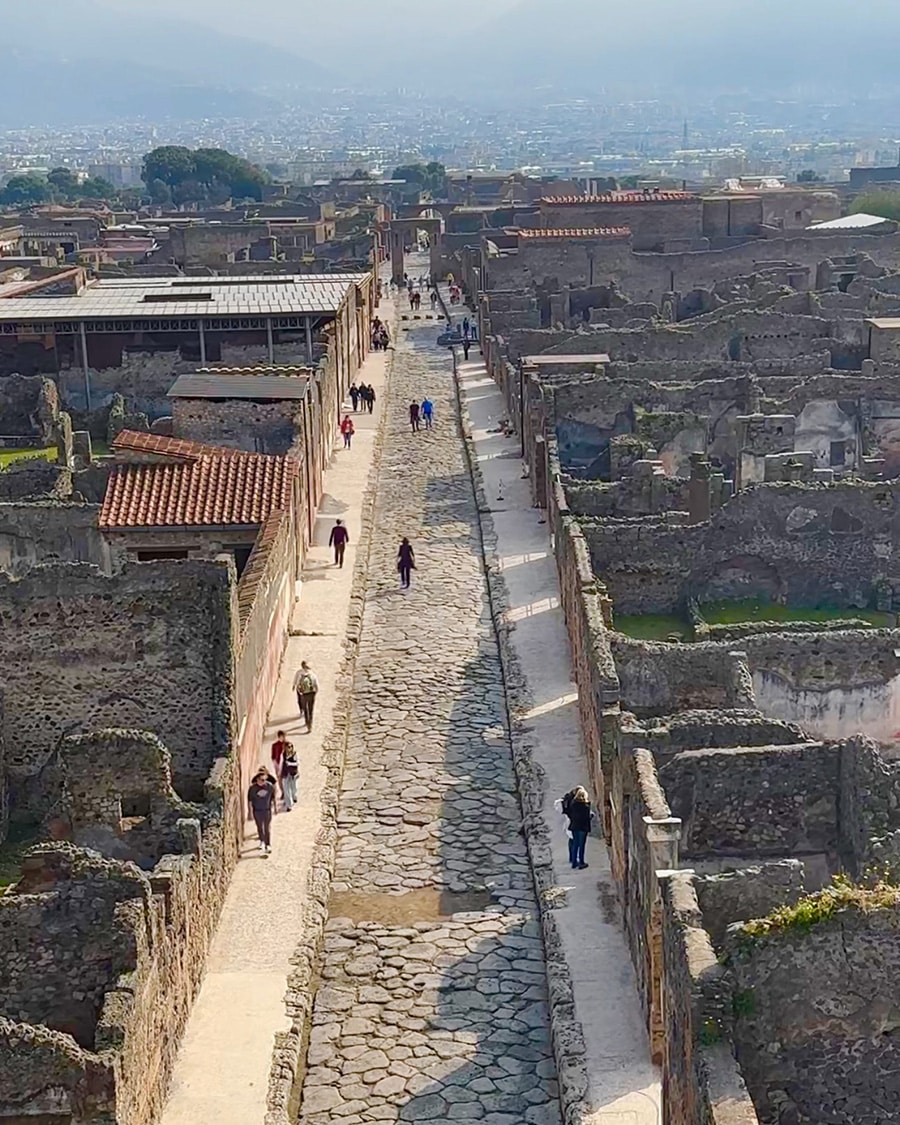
x=414, y=416
x=370, y=397
x=406, y=562
x=338, y=539
x=354, y=396
x=261, y=802
x=465, y=328
x=577, y=806
x=466, y=346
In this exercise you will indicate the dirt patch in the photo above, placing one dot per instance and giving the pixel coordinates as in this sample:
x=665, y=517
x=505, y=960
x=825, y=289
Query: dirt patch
x=427, y=905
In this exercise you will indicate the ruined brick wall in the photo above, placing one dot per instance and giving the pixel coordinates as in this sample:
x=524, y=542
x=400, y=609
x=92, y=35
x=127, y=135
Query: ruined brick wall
x=660, y=679
x=750, y=892
x=700, y=1078
x=259, y=427
x=28, y=406
x=651, y=224
x=803, y=544
x=266, y=594
x=149, y=648
x=46, y=531
x=594, y=670
x=759, y=801
x=698, y=729
x=204, y=245
x=826, y=996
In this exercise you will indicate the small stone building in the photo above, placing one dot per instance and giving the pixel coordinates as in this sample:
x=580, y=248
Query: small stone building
x=185, y=500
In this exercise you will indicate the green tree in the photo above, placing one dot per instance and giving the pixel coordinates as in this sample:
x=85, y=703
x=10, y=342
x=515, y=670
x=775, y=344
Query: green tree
x=173, y=164
x=808, y=176
x=160, y=193
x=883, y=203
x=64, y=182
x=25, y=191
x=96, y=188
x=421, y=179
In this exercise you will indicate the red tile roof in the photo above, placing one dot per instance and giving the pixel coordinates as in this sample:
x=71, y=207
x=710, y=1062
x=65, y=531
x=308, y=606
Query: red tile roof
x=620, y=197
x=136, y=441
x=534, y=233
x=227, y=489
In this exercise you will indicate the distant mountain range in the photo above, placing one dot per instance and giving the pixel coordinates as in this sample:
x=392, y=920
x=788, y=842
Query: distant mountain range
x=76, y=63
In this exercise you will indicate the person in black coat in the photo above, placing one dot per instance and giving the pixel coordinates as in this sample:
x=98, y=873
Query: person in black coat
x=577, y=807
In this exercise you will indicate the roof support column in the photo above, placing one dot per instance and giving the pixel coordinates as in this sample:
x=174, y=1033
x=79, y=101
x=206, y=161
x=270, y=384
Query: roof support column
x=85, y=365
x=202, y=342
x=307, y=324
x=270, y=340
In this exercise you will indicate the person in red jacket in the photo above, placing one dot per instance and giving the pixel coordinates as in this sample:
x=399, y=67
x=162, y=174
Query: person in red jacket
x=348, y=430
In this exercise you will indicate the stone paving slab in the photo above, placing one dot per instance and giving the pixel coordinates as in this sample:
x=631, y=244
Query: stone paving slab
x=433, y=994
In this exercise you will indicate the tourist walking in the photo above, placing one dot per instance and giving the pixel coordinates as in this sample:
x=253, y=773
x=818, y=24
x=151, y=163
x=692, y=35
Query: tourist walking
x=577, y=807
x=466, y=346
x=427, y=411
x=306, y=686
x=348, y=430
x=278, y=747
x=370, y=396
x=406, y=562
x=290, y=768
x=261, y=802
x=338, y=539
x=354, y=396
x=434, y=298
x=414, y=416
x=465, y=328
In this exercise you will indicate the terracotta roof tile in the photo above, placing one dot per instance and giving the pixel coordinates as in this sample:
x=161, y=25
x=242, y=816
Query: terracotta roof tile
x=535, y=233
x=620, y=197
x=136, y=441
x=228, y=489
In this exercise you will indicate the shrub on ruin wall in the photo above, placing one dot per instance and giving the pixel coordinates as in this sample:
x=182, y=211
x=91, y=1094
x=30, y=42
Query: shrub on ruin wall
x=811, y=910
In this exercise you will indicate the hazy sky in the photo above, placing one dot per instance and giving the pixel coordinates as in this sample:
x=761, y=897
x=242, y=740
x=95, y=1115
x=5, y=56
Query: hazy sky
x=329, y=25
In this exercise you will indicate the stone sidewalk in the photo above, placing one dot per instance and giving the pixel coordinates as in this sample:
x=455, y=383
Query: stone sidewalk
x=623, y=1085
x=222, y=1073
x=433, y=995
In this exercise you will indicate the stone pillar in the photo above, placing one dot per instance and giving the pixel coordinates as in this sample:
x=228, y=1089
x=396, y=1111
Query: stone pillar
x=397, y=242
x=699, y=505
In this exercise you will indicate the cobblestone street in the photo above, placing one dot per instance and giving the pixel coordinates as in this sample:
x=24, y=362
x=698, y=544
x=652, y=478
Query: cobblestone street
x=432, y=1002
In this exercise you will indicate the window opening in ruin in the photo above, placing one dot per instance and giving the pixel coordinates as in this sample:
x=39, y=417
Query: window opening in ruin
x=838, y=454
x=160, y=556
x=844, y=282
x=135, y=806
x=241, y=557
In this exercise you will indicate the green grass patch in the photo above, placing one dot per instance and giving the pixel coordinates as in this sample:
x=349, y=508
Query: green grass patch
x=651, y=626
x=7, y=456
x=19, y=839
x=755, y=609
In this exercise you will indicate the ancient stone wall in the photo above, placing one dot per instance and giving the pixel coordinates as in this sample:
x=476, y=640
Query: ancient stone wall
x=660, y=679
x=756, y=801
x=47, y=531
x=29, y=406
x=259, y=427
x=698, y=729
x=700, y=1078
x=749, y=892
x=826, y=995
x=803, y=544
x=149, y=647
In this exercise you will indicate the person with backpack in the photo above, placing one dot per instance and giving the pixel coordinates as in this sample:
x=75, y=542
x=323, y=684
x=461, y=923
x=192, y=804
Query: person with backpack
x=576, y=805
x=370, y=396
x=306, y=685
x=290, y=768
x=261, y=802
x=427, y=411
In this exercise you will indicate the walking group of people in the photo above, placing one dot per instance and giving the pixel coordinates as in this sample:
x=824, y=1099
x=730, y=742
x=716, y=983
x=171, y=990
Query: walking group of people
x=380, y=336
x=421, y=413
x=362, y=397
